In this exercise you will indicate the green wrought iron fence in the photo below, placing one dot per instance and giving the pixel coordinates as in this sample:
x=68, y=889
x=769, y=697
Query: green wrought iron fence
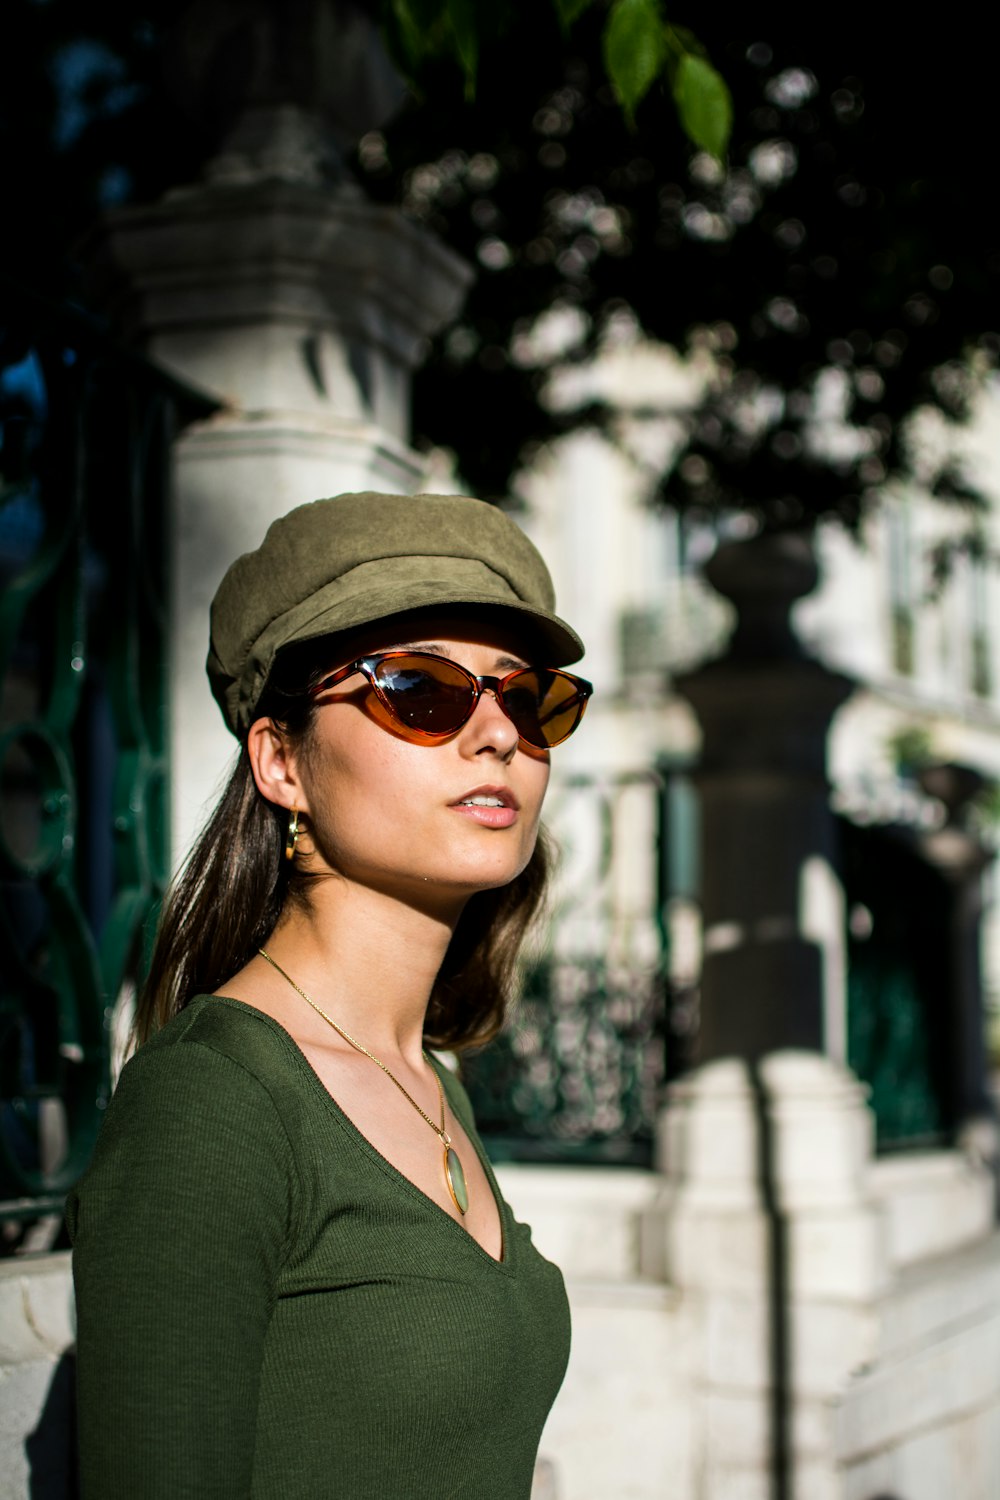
x=86, y=431
x=601, y=1024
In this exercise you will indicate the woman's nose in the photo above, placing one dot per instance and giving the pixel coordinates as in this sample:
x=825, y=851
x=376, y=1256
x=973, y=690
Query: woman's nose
x=489, y=727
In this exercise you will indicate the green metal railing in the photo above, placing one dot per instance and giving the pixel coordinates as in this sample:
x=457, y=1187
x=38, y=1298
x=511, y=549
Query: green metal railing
x=578, y=1074
x=86, y=431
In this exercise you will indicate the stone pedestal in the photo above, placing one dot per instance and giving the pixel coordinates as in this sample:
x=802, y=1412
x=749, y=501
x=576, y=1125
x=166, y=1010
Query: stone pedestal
x=766, y=1227
x=303, y=309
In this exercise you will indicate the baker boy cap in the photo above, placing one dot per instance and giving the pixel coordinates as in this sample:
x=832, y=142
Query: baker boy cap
x=350, y=560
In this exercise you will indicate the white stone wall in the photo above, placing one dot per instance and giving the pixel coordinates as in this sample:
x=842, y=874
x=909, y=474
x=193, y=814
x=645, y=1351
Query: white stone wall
x=894, y=1311
x=923, y=1422
x=36, y=1331
x=622, y=1426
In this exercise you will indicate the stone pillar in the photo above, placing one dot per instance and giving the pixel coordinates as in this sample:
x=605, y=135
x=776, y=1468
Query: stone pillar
x=277, y=288
x=773, y=929
x=766, y=1229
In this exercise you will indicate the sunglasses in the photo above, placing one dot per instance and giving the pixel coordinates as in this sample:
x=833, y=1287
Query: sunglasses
x=431, y=698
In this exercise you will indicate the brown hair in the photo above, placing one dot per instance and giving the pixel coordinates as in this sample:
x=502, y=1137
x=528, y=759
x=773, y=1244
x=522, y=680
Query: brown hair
x=233, y=887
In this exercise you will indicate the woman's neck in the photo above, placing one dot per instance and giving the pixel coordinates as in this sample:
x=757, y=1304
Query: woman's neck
x=366, y=958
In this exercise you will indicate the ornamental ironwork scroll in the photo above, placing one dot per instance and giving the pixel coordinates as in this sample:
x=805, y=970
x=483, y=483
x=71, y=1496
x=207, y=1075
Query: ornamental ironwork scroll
x=85, y=440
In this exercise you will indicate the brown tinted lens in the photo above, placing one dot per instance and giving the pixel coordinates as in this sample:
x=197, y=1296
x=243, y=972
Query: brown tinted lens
x=426, y=693
x=544, y=706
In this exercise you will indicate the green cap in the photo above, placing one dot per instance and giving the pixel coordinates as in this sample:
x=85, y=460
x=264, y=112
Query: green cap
x=350, y=560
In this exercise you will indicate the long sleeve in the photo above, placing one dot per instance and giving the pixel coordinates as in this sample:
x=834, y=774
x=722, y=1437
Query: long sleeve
x=179, y=1229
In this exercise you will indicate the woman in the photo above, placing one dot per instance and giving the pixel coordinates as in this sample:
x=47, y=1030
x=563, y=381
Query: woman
x=295, y=1274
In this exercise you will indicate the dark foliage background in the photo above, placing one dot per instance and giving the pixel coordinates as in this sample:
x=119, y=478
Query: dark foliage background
x=854, y=229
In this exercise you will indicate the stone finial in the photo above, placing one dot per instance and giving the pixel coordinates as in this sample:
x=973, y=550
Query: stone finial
x=764, y=576
x=284, y=89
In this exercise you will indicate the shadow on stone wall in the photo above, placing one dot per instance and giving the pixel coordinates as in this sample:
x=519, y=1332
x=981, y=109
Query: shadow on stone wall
x=51, y=1448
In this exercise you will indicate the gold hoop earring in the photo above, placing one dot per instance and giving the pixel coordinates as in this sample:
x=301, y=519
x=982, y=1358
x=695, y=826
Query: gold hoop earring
x=292, y=836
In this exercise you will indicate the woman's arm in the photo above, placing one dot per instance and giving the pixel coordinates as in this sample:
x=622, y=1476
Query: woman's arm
x=178, y=1229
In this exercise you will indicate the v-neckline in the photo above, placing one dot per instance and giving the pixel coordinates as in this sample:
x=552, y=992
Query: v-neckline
x=503, y=1262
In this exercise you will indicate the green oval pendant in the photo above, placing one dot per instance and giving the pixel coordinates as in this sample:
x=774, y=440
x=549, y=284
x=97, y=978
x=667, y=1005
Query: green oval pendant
x=455, y=1177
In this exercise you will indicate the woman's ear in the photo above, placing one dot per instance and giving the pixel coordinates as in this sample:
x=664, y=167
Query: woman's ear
x=274, y=766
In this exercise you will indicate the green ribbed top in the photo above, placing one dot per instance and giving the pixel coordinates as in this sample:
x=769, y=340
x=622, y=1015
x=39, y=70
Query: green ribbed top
x=267, y=1308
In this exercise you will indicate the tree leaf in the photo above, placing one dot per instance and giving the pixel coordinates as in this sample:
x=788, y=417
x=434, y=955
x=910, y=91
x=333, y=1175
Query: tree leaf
x=703, y=103
x=409, y=36
x=419, y=31
x=465, y=33
x=635, y=50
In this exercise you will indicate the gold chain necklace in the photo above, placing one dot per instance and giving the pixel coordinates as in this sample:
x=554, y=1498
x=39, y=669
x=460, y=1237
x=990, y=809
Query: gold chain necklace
x=454, y=1175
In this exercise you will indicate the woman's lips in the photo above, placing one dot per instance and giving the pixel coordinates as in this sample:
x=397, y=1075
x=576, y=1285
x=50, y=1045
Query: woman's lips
x=490, y=807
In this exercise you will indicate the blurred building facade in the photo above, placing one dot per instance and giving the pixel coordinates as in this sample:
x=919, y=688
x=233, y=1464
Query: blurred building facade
x=911, y=753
